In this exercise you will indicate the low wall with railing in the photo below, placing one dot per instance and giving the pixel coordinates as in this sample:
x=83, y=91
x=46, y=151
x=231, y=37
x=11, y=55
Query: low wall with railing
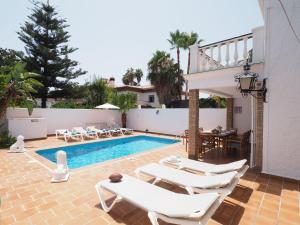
x=173, y=121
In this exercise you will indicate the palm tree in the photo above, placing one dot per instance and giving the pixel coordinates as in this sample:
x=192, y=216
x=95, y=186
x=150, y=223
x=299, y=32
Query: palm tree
x=177, y=40
x=125, y=102
x=163, y=75
x=16, y=87
x=190, y=39
x=132, y=77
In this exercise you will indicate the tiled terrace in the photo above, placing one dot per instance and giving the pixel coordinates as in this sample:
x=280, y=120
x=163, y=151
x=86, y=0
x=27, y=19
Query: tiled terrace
x=28, y=197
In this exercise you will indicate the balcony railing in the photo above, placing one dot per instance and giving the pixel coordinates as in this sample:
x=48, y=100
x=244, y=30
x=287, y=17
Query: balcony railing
x=223, y=54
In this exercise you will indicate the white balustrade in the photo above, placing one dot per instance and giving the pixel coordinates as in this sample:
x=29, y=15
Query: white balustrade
x=236, y=52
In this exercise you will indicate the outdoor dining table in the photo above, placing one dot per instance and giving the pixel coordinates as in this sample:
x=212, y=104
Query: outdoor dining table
x=220, y=139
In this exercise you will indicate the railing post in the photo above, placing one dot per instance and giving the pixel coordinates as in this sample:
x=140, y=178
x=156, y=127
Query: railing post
x=219, y=55
x=236, y=54
x=204, y=60
x=227, y=58
x=245, y=55
x=211, y=60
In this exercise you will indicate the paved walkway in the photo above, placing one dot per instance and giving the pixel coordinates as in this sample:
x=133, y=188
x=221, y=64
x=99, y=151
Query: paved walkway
x=28, y=197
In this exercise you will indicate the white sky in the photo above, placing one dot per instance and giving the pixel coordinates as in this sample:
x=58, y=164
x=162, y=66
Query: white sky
x=115, y=35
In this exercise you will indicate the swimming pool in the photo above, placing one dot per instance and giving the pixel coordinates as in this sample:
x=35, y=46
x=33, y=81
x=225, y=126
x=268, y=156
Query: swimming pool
x=95, y=152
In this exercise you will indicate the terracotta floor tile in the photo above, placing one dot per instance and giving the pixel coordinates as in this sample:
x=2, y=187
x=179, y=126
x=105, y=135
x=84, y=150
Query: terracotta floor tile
x=28, y=197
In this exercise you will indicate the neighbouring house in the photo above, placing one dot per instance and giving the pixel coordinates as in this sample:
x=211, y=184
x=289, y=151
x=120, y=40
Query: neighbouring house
x=146, y=95
x=275, y=53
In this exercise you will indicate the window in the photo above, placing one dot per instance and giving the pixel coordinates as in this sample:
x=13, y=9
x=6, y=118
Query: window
x=238, y=109
x=151, y=98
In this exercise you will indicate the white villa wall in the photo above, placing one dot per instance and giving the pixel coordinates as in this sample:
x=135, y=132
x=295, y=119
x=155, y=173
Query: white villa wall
x=242, y=121
x=281, y=149
x=65, y=118
x=173, y=121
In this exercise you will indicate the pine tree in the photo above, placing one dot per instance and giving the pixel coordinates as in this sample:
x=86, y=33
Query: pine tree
x=46, y=45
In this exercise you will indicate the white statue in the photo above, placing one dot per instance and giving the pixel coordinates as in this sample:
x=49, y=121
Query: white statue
x=19, y=146
x=61, y=173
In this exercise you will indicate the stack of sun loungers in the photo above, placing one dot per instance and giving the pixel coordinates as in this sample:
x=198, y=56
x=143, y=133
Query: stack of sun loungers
x=79, y=133
x=171, y=207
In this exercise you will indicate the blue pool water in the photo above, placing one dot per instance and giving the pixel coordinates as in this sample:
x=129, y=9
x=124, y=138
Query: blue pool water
x=90, y=153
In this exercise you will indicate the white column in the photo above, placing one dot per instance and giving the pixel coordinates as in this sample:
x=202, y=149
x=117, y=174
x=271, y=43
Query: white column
x=236, y=54
x=227, y=58
x=194, y=50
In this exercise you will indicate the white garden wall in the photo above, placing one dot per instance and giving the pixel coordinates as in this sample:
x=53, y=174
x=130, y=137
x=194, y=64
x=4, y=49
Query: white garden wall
x=64, y=118
x=173, y=121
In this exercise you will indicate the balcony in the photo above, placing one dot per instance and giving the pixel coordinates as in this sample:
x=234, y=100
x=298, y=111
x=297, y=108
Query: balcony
x=228, y=53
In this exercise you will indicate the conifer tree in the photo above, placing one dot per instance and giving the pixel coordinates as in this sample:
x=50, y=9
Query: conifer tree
x=47, y=51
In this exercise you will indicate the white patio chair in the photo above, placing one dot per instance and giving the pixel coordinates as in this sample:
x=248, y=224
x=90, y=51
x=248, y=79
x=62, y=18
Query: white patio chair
x=161, y=203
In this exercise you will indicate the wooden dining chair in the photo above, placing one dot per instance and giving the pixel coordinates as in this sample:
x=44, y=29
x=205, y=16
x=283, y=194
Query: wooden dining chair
x=241, y=143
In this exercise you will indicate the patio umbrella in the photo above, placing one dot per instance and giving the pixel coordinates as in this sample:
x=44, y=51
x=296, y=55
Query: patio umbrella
x=107, y=106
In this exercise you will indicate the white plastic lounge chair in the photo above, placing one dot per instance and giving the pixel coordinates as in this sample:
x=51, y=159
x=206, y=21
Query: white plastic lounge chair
x=161, y=203
x=99, y=132
x=68, y=134
x=85, y=133
x=193, y=183
x=60, y=132
x=61, y=173
x=126, y=130
x=123, y=129
x=115, y=131
x=207, y=168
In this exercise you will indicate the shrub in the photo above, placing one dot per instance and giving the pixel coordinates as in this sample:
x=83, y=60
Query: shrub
x=6, y=140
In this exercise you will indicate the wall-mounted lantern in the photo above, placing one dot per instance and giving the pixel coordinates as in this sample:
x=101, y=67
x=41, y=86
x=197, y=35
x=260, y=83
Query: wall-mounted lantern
x=248, y=83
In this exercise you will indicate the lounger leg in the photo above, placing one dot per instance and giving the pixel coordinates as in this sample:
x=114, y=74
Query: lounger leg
x=190, y=190
x=153, y=218
x=105, y=207
x=157, y=179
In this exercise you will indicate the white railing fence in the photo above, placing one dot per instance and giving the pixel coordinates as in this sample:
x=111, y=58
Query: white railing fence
x=227, y=53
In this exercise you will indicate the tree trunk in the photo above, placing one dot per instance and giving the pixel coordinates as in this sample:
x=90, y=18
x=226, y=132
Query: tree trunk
x=178, y=59
x=124, y=120
x=189, y=62
x=44, y=102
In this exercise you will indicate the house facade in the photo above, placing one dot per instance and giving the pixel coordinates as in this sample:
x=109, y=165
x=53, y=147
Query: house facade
x=275, y=56
x=146, y=95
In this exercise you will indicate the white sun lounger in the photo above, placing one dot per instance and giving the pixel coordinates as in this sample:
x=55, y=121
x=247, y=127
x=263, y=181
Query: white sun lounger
x=85, y=133
x=207, y=168
x=126, y=130
x=161, y=203
x=193, y=183
x=67, y=134
x=99, y=132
